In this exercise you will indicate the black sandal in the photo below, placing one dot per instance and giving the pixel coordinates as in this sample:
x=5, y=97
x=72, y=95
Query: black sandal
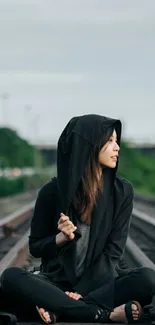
x=53, y=318
x=103, y=315
x=128, y=311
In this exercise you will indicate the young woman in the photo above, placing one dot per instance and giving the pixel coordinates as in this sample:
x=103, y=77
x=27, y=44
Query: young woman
x=79, y=229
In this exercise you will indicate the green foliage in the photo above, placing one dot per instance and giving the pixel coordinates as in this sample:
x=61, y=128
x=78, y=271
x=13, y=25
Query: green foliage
x=21, y=184
x=11, y=186
x=16, y=151
x=138, y=169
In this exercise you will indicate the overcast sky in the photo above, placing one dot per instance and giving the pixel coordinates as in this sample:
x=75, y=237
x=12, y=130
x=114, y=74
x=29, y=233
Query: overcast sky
x=61, y=58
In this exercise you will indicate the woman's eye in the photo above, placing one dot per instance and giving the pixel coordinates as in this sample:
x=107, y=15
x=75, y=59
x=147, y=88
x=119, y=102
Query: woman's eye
x=112, y=140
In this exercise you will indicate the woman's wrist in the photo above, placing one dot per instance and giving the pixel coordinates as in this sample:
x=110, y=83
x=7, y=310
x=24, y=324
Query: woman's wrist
x=61, y=239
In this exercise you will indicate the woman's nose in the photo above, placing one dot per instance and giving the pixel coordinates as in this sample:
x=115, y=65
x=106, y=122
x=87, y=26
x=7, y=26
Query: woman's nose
x=117, y=147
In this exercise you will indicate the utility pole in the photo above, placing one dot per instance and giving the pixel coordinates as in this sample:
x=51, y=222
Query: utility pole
x=4, y=116
x=28, y=109
x=36, y=129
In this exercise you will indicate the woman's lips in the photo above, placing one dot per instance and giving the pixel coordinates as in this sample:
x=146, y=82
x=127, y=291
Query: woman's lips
x=114, y=158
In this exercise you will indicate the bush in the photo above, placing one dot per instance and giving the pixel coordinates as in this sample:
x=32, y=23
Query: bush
x=138, y=169
x=16, y=151
x=21, y=184
x=11, y=186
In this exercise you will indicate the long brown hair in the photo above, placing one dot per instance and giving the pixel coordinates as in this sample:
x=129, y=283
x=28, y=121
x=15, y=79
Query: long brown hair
x=90, y=184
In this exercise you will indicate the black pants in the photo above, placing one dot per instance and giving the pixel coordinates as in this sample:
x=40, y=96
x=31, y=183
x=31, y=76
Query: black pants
x=21, y=291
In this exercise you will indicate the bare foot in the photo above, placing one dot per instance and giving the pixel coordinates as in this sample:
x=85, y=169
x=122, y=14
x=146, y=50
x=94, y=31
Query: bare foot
x=118, y=315
x=45, y=315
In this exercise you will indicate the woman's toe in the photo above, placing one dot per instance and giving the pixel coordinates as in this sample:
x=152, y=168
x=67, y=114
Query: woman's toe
x=134, y=307
x=135, y=316
x=46, y=315
x=135, y=312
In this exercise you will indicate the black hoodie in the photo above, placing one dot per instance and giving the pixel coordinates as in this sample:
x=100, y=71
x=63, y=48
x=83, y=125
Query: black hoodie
x=110, y=217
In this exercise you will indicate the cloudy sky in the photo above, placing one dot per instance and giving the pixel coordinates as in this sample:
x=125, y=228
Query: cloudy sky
x=61, y=58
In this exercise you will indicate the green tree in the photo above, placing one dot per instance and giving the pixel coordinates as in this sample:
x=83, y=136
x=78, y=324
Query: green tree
x=16, y=151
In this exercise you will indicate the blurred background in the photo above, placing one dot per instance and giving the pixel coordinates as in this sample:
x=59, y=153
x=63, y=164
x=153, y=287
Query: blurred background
x=59, y=59
x=63, y=58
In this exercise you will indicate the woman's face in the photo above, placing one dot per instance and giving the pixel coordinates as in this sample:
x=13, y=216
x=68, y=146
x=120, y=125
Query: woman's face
x=109, y=152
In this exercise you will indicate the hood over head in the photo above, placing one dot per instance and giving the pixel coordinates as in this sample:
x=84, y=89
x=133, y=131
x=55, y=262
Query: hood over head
x=75, y=144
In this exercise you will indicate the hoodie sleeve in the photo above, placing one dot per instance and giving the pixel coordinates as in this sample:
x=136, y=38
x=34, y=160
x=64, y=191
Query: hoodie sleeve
x=42, y=239
x=115, y=245
x=104, y=266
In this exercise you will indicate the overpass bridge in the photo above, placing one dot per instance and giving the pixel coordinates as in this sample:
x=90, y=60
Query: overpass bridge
x=49, y=151
x=144, y=148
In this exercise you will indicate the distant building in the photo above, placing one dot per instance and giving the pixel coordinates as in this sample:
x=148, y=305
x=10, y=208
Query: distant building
x=49, y=153
x=144, y=148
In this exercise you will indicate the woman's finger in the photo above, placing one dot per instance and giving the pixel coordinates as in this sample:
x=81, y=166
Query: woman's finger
x=67, y=229
x=65, y=224
x=73, y=295
x=63, y=217
x=63, y=220
x=64, y=228
x=76, y=296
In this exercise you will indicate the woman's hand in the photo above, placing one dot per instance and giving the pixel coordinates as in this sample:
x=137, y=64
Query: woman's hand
x=73, y=295
x=66, y=226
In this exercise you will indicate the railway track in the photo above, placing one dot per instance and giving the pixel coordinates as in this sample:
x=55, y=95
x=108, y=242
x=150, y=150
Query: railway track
x=142, y=232
x=140, y=248
x=11, y=204
x=145, y=204
x=14, y=232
